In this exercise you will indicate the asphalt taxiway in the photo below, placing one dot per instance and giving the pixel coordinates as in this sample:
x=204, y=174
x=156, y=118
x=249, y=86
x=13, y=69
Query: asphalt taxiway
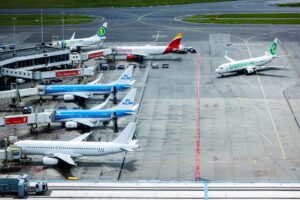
x=248, y=124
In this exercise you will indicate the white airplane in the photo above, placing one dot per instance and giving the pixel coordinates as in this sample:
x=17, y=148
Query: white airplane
x=75, y=44
x=250, y=65
x=55, y=151
x=137, y=53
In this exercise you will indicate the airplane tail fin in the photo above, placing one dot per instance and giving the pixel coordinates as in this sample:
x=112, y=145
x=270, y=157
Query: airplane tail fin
x=125, y=137
x=73, y=36
x=127, y=102
x=273, y=49
x=174, y=44
x=102, y=31
x=126, y=76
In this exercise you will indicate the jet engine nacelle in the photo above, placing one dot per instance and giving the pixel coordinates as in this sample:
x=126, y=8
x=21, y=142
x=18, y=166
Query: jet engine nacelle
x=69, y=97
x=73, y=48
x=71, y=124
x=135, y=58
x=50, y=161
x=57, y=44
x=249, y=71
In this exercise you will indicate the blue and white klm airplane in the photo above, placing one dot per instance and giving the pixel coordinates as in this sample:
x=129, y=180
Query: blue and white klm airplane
x=75, y=44
x=69, y=92
x=94, y=115
x=67, y=151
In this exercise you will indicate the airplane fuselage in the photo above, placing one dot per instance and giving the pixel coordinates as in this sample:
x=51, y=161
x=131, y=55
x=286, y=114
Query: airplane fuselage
x=54, y=90
x=140, y=50
x=252, y=63
x=91, y=115
x=74, y=149
x=82, y=42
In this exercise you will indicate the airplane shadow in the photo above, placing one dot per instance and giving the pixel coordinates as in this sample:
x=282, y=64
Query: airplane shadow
x=66, y=170
x=272, y=75
x=259, y=73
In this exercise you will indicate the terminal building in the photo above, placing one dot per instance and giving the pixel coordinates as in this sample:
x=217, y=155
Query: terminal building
x=20, y=63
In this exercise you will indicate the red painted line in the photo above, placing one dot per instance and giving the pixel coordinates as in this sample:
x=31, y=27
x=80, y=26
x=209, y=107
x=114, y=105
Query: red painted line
x=198, y=120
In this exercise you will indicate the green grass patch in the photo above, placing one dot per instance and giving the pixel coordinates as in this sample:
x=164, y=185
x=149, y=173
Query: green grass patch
x=95, y=3
x=265, y=18
x=289, y=5
x=7, y=20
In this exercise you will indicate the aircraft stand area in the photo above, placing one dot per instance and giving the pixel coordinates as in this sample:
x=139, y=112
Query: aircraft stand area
x=145, y=105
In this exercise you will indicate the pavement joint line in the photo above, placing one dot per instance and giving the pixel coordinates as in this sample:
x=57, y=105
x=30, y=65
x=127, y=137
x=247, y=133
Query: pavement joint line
x=135, y=119
x=271, y=116
x=288, y=102
x=198, y=119
x=268, y=106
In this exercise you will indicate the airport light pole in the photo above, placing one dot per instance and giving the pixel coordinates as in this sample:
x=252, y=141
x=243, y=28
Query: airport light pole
x=62, y=25
x=14, y=27
x=42, y=27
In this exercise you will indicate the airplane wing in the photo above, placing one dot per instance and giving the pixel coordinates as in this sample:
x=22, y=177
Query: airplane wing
x=81, y=94
x=64, y=157
x=81, y=137
x=84, y=121
x=229, y=59
x=100, y=106
x=94, y=82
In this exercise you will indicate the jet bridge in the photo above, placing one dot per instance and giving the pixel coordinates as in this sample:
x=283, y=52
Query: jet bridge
x=30, y=119
x=38, y=75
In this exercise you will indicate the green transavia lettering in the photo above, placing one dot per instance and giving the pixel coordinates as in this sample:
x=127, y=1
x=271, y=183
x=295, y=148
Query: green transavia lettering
x=241, y=65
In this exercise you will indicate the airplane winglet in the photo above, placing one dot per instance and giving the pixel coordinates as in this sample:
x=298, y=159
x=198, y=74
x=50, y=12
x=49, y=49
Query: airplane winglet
x=96, y=81
x=100, y=106
x=179, y=35
x=81, y=137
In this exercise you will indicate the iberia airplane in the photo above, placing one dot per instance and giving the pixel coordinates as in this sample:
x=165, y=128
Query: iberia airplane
x=137, y=53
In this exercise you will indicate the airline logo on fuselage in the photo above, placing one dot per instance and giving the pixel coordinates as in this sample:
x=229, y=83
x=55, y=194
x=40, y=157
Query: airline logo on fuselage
x=121, y=50
x=241, y=65
x=127, y=102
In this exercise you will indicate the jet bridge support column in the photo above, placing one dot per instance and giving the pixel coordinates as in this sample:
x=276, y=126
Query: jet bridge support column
x=16, y=101
x=115, y=122
x=114, y=92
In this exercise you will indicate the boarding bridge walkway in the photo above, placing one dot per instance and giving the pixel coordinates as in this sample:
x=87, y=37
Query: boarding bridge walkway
x=39, y=75
x=10, y=94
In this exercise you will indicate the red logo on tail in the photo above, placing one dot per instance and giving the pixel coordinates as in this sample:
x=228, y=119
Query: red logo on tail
x=174, y=44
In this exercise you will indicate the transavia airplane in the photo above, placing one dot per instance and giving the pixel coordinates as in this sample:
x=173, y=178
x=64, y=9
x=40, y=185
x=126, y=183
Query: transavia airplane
x=69, y=92
x=95, y=115
x=55, y=151
x=75, y=44
x=137, y=53
x=250, y=65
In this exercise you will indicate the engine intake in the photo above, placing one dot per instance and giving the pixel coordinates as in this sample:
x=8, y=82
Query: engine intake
x=50, y=161
x=71, y=124
x=69, y=97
